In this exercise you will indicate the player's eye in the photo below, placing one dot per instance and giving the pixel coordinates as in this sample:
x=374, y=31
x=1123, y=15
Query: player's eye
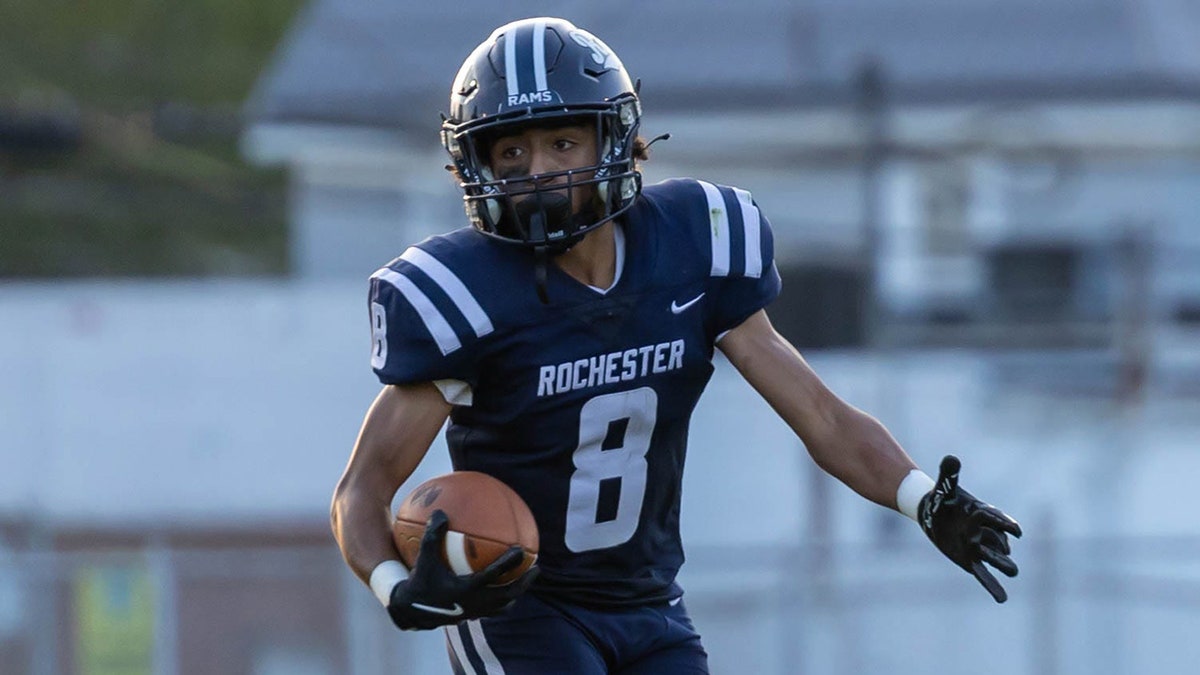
x=564, y=144
x=511, y=152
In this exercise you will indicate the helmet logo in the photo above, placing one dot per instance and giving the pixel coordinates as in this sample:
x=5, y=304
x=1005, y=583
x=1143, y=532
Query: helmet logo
x=601, y=54
x=531, y=97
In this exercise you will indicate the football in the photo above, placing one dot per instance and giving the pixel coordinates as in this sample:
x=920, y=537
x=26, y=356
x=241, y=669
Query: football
x=485, y=518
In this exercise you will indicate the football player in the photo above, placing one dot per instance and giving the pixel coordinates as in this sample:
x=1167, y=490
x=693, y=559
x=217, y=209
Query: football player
x=567, y=335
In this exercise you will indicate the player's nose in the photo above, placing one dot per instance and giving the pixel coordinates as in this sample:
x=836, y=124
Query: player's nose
x=543, y=161
x=539, y=162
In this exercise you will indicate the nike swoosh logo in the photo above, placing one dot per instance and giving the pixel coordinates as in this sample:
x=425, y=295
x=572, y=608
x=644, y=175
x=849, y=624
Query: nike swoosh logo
x=675, y=309
x=456, y=610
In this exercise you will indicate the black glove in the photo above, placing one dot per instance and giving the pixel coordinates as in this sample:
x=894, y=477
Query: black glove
x=435, y=596
x=968, y=531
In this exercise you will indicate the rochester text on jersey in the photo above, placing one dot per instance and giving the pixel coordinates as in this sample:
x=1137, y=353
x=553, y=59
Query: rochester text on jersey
x=610, y=368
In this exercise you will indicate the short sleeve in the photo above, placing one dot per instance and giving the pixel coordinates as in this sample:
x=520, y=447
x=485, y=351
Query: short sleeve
x=742, y=261
x=425, y=324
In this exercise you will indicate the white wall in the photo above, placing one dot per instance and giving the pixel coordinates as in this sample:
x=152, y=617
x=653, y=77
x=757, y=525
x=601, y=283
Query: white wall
x=240, y=400
x=205, y=400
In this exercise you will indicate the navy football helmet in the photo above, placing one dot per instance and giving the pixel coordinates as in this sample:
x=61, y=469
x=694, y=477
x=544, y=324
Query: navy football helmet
x=543, y=71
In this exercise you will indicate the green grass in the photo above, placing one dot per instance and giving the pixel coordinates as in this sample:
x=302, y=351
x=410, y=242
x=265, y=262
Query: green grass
x=131, y=200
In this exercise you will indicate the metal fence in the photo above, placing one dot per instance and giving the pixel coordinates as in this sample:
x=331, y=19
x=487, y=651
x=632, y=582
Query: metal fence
x=1114, y=606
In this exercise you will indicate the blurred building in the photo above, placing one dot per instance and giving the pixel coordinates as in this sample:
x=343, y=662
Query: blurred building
x=984, y=162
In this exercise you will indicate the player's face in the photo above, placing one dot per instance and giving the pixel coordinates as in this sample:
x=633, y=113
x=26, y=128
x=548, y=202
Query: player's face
x=537, y=151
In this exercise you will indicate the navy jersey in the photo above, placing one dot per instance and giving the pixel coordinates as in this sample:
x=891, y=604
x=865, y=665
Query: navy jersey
x=582, y=405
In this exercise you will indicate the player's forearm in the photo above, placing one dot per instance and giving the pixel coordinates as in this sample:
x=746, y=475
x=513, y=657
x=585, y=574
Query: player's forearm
x=361, y=515
x=395, y=436
x=361, y=525
x=859, y=451
x=848, y=443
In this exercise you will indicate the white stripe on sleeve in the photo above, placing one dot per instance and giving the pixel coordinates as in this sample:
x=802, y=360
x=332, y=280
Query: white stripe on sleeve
x=718, y=221
x=439, y=328
x=539, y=54
x=491, y=664
x=453, y=286
x=753, y=229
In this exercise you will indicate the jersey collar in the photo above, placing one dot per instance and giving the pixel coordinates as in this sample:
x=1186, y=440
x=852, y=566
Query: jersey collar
x=619, y=244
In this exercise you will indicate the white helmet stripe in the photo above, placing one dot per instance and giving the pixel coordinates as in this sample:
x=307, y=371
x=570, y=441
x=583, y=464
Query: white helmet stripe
x=510, y=62
x=453, y=286
x=539, y=55
x=718, y=227
x=753, y=229
x=435, y=323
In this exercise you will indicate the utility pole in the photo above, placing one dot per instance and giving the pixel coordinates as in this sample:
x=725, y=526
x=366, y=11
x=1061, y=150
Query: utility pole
x=871, y=104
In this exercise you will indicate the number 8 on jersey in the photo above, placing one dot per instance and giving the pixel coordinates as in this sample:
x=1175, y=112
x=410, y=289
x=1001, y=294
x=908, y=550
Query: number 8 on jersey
x=614, y=437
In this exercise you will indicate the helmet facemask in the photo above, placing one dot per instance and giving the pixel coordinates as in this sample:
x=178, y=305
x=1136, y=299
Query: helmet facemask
x=536, y=210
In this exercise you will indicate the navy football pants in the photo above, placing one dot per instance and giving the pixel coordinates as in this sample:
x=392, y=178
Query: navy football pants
x=539, y=637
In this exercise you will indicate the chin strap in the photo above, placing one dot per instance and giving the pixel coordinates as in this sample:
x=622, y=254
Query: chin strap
x=541, y=254
x=541, y=258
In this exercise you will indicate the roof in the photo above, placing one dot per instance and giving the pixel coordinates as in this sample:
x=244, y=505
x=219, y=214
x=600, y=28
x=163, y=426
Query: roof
x=390, y=64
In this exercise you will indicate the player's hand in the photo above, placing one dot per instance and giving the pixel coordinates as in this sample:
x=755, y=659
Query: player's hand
x=434, y=595
x=968, y=531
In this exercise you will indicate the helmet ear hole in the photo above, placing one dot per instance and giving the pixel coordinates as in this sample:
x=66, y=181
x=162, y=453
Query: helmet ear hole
x=628, y=188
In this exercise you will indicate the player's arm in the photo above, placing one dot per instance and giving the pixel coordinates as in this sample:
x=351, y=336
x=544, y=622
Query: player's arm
x=856, y=449
x=395, y=435
x=844, y=441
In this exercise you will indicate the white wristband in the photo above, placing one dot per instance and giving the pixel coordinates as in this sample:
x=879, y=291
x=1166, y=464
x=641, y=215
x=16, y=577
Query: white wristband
x=914, y=486
x=384, y=578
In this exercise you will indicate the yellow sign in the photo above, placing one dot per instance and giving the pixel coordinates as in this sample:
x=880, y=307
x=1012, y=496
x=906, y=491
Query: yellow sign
x=114, y=613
